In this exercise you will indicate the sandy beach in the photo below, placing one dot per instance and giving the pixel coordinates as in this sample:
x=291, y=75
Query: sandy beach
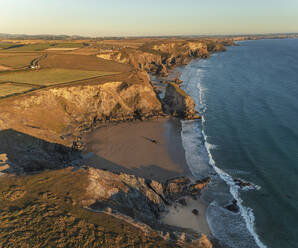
x=128, y=147
x=150, y=149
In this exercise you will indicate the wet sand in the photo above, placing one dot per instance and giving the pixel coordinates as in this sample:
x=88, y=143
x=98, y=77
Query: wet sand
x=182, y=216
x=128, y=147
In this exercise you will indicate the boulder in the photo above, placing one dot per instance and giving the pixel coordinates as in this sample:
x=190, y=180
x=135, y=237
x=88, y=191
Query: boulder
x=176, y=188
x=199, y=185
x=182, y=201
x=242, y=184
x=233, y=207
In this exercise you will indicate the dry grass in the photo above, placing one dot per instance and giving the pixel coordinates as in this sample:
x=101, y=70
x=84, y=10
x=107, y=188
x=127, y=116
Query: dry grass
x=26, y=47
x=48, y=77
x=178, y=89
x=7, y=89
x=84, y=51
x=4, y=45
x=43, y=210
x=17, y=61
x=61, y=48
x=82, y=62
x=5, y=68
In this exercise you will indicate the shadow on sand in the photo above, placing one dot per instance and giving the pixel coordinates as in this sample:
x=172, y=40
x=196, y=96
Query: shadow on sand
x=23, y=153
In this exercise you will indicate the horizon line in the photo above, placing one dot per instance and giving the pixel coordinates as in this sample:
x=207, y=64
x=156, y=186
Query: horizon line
x=151, y=36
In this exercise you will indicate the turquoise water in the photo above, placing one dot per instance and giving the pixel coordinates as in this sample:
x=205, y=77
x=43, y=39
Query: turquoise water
x=248, y=97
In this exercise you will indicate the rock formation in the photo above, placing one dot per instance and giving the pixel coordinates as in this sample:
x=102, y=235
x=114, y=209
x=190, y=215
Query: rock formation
x=55, y=111
x=178, y=103
x=141, y=199
x=158, y=57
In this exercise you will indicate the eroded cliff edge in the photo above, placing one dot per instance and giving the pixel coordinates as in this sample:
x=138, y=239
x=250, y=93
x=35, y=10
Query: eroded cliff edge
x=55, y=112
x=50, y=119
x=160, y=56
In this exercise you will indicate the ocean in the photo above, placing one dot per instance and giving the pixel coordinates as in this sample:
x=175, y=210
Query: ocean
x=248, y=98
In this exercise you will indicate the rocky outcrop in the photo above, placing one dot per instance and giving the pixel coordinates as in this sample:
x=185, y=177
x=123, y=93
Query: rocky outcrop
x=143, y=200
x=140, y=198
x=158, y=57
x=178, y=103
x=126, y=194
x=57, y=111
x=182, y=186
x=138, y=59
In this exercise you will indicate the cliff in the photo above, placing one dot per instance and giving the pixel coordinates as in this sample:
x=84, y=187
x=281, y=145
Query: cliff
x=51, y=207
x=141, y=201
x=138, y=59
x=60, y=111
x=159, y=56
x=178, y=103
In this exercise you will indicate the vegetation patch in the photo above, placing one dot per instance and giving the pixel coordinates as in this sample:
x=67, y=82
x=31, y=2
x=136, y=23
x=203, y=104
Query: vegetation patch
x=8, y=89
x=4, y=45
x=68, y=45
x=27, y=47
x=46, y=212
x=178, y=89
x=148, y=48
x=17, y=60
x=46, y=77
x=82, y=62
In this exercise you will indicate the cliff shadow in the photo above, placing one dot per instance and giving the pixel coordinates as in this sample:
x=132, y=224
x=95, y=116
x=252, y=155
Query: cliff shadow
x=153, y=172
x=20, y=152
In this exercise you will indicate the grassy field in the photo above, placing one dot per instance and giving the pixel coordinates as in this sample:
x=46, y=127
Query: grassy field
x=23, y=47
x=82, y=62
x=68, y=45
x=4, y=45
x=44, y=210
x=17, y=61
x=26, y=48
x=46, y=77
x=7, y=89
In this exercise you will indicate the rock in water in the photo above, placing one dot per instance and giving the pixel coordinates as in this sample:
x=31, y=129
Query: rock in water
x=233, y=207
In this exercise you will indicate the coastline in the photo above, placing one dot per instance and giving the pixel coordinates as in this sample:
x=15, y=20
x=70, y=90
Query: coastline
x=151, y=149
x=222, y=190
x=126, y=148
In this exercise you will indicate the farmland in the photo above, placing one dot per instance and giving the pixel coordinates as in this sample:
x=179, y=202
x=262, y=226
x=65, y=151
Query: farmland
x=9, y=88
x=17, y=60
x=46, y=77
x=26, y=65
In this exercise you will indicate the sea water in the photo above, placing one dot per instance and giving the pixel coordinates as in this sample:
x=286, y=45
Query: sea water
x=248, y=99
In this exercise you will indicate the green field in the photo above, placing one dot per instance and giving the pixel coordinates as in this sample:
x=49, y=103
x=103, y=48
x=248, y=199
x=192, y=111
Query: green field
x=17, y=61
x=46, y=77
x=66, y=45
x=7, y=89
x=4, y=45
x=8, y=47
x=27, y=48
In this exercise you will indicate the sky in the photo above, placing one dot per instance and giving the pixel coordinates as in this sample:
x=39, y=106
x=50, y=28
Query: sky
x=148, y=17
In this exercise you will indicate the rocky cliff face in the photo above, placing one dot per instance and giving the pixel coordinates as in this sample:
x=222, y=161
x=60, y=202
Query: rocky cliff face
x=56, y=111
x=178, y=103
x=158, y=57
x=128, y=196
x=138, y=59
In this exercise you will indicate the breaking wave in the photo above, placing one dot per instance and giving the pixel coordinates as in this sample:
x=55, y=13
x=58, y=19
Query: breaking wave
x=201, y=163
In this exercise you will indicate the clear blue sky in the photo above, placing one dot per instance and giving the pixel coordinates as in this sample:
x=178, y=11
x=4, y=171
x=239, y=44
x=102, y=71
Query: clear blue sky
x=148, y=17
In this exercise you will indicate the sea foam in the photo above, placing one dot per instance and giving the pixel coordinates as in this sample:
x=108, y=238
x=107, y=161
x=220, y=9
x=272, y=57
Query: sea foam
x=199, y=156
